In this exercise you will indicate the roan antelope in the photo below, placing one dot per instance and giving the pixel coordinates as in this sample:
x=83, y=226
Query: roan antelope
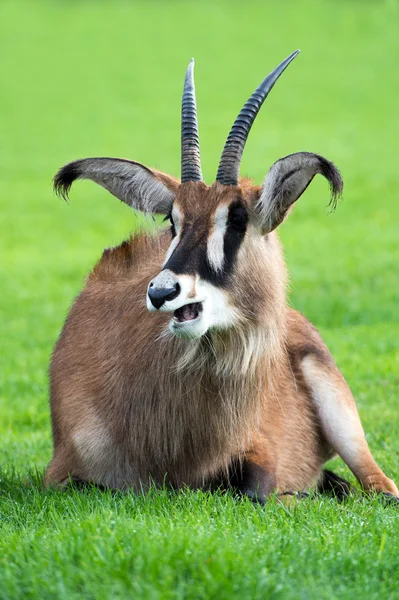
x=215, y=382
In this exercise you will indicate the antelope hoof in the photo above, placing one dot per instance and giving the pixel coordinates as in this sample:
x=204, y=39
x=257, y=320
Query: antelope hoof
x=389, y=499
x=291, y=498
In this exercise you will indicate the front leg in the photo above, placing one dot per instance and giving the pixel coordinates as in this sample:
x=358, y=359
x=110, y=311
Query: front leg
x=340, y=421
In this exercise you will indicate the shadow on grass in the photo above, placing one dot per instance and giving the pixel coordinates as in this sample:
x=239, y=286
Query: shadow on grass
x=27, y=492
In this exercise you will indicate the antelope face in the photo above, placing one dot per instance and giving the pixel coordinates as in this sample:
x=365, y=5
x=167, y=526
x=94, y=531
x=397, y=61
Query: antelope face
x=222, y=266
x=208, y=228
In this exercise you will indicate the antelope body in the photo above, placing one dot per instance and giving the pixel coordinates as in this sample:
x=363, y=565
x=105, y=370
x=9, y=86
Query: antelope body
x=220, y=384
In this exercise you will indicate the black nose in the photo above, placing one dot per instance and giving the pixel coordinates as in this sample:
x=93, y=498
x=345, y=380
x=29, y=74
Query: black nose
x=160, y=295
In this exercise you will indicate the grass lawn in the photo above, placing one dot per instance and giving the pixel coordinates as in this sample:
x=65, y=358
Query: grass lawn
x=99, y=78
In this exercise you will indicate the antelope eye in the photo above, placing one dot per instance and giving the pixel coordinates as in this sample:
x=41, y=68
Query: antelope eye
x=238, y=218
x=172, y=225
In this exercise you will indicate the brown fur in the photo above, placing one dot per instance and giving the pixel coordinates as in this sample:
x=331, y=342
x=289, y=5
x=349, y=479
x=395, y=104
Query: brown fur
x=131, y=404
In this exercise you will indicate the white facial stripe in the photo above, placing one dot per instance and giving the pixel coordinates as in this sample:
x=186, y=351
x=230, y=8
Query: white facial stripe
x=215, y=245
x=177, y=223
x=176, y=218
x=171, y=249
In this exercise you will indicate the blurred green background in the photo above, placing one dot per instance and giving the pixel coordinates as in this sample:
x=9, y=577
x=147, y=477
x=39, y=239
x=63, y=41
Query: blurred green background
x=93, y=78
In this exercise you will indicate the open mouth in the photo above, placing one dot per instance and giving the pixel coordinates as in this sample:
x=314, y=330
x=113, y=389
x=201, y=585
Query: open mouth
x=188, y=312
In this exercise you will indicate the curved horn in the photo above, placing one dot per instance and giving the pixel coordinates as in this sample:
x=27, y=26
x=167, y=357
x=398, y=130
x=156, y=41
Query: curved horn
x=190, y=152
x=229, y=165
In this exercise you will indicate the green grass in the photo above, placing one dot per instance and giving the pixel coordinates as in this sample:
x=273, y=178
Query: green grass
x=92, y=78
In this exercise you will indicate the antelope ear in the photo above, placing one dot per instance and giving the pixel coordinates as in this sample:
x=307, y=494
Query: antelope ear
x=131, y=182
x=286, y=181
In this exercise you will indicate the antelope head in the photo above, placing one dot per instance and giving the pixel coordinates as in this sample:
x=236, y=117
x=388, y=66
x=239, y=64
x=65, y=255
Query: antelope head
x=223, y=266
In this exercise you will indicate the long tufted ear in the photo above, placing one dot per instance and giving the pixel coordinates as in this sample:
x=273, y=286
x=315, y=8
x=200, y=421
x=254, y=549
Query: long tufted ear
x=286, y=181
x=131, y=182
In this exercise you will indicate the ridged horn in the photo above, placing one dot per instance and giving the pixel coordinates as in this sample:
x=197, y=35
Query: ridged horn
x=230, y=160
x=190, y=152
